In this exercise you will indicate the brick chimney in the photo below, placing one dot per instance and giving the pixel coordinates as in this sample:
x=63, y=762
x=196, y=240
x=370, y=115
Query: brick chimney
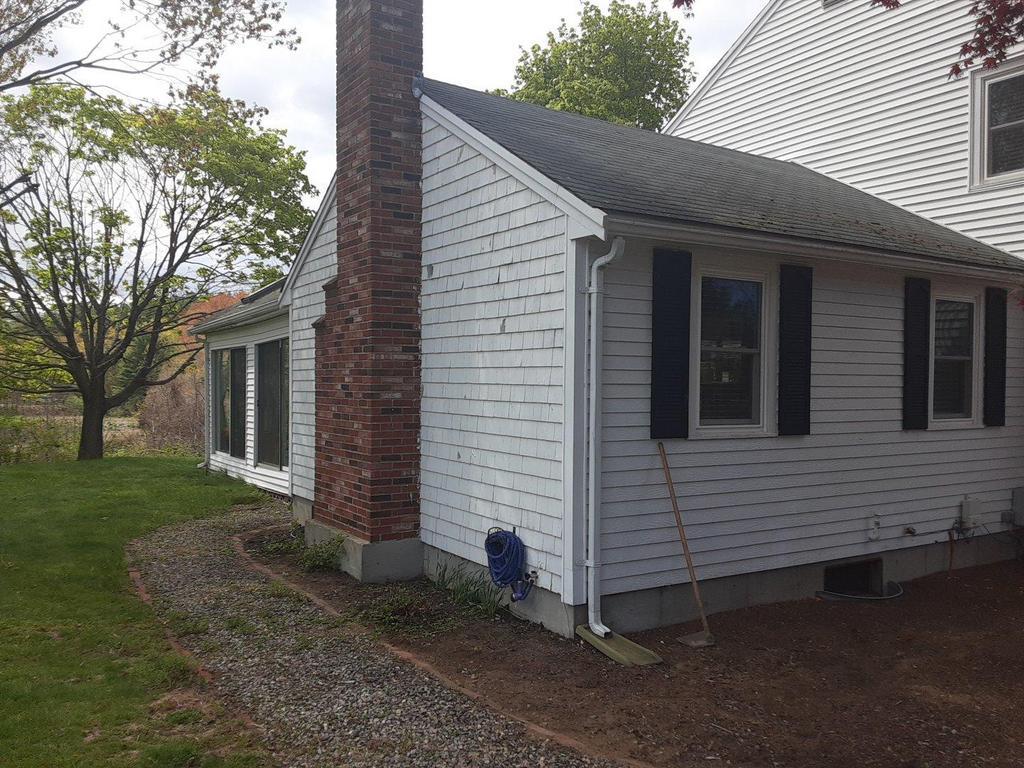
x=368, y=341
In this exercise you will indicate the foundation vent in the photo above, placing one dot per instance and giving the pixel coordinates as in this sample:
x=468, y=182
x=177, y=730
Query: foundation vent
x=863, y=578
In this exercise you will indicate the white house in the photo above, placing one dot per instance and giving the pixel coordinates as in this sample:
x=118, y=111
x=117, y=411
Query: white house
x=260, y=355
x=521, y=303
x=863, y=94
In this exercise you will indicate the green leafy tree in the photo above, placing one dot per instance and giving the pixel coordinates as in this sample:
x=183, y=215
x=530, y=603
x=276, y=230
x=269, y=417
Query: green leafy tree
x=180, y=41
x=630, y=65
x=140, y=213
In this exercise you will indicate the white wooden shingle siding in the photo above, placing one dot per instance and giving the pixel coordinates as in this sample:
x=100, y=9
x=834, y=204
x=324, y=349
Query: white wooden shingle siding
x=864, y=95
x=754, y=504
x=246, y=469
x=493, y=318
x=319, y=266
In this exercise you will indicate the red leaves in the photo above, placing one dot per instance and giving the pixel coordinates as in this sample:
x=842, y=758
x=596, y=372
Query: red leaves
x=999, y=25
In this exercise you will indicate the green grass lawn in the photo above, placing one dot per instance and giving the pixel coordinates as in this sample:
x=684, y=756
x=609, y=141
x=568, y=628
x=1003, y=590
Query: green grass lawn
x=81, y=658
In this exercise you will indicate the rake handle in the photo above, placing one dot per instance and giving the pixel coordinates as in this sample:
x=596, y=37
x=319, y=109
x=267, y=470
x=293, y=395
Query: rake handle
x=682, y=537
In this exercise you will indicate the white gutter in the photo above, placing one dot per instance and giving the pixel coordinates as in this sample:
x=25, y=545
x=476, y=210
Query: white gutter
x=762, y=242
x=595, y=292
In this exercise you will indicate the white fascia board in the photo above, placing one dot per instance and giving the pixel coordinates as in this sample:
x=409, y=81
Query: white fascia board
x=794, y=247
x=584, y=219
x=723, y=64
x=326, y=202
x=255, y=315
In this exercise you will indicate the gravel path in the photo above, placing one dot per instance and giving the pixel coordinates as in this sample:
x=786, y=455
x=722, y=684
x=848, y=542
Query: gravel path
x=322, y=694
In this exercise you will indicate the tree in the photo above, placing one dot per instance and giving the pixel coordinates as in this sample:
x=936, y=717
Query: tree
x=630, y=65
x=998, y=26
x=186, y=34
x=171, y=37
x=140, y=213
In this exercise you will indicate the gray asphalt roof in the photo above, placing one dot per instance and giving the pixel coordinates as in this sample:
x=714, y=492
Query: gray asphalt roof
x=253, y=307
x=623, y=170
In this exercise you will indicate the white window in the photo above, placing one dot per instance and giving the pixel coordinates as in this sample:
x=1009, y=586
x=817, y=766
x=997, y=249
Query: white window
x=997, y=151
x=730, y=361
x=956, y=369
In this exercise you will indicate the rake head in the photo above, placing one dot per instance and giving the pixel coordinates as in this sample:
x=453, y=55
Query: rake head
x=700, y=639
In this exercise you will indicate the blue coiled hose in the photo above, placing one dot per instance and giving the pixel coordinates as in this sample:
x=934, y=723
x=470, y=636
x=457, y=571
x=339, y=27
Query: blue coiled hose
x=506, y=559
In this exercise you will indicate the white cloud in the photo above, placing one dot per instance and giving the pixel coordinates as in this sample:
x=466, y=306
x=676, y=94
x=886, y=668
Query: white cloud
x=469, y=43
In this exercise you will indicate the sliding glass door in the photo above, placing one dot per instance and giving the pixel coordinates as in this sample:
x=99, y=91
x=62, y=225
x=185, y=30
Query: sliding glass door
x=229, y=374
x=272, y=403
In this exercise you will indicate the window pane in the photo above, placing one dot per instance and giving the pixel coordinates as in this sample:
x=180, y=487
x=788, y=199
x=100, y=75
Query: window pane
x=954, y=359
x=268, y=403
x=238, y=377
x=1006, y=149
x=952, y=396
x=729, y=387
x=222, y=400
x=953, y=328
x=285, y=403
x=1006, y=101
x=730, y=359
x=730, y=313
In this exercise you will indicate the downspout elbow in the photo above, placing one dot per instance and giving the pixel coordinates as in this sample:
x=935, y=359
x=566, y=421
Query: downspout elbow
x=595, y=291
x=618, y=246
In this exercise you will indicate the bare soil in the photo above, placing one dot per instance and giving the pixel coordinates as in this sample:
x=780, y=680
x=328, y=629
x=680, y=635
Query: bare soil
x=934, y=679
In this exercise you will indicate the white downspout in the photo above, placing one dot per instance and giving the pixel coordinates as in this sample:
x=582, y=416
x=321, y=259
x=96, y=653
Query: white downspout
x=595, y=292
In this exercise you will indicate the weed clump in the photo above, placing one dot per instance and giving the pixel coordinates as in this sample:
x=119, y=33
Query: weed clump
x=473, y=591
x=325, y=556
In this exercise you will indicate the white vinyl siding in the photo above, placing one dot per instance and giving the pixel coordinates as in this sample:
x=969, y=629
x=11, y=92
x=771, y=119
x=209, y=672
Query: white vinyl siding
x=758, y=503
x=319, y=266
x=493, y=318
x=864, y=95
x=248, y=336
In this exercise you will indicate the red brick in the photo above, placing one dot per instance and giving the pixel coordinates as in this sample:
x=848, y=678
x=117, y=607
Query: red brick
x=368, y=341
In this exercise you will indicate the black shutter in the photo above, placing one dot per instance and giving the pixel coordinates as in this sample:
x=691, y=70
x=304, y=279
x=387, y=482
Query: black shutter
x=795, y=286
x=995, y=357
x=670, y=344
x=917, y=314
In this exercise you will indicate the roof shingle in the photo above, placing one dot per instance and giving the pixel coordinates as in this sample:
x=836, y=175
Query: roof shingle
x=623, y=170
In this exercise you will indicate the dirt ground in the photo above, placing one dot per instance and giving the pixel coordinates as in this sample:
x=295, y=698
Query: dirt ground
x=934, y=679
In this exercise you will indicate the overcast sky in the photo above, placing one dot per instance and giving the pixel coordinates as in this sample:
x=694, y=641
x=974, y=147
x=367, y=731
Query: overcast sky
x=475, y=44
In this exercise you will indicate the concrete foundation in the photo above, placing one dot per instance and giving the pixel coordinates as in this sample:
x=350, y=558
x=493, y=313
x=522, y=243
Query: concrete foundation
x=302, y=510
x=374, y=562
x=541, y=607
x=663, y=606
x=650, y=608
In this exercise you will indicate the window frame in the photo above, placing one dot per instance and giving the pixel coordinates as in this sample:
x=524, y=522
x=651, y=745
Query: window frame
x=981, y=81
x=284, y=386
x=216, y=382
x=977, y=300
x=733, y=268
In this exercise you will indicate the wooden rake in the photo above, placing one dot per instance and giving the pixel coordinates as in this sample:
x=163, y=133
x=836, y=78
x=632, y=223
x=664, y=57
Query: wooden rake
x=704, y=638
